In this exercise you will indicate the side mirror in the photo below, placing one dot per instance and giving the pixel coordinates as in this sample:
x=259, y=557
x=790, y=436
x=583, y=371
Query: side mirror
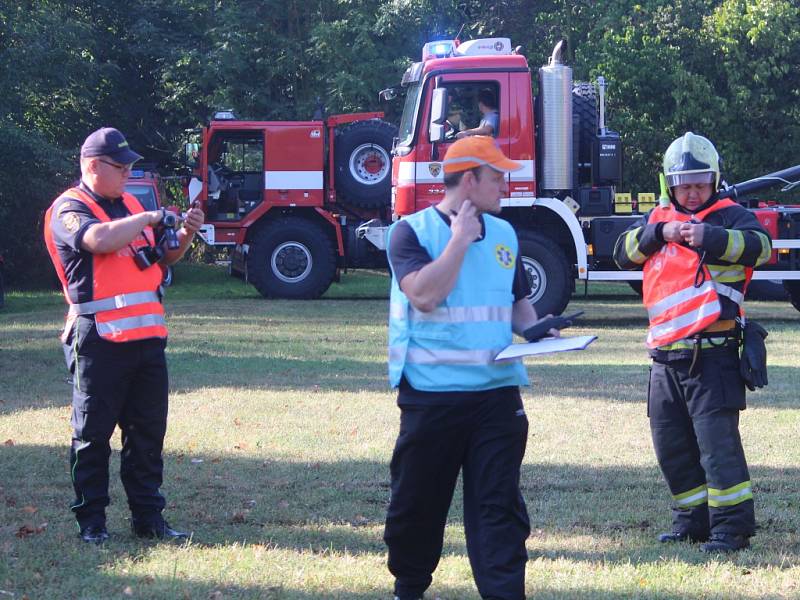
x=192, y=151
x=387, y=94
x=436, y=129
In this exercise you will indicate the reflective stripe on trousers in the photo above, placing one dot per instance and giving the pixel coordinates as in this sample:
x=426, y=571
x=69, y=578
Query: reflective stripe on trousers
x=693, y=497
x=730, y=496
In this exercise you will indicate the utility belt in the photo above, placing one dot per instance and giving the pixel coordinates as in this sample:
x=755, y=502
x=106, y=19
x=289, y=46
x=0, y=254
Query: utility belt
x=720, y=335
x=725, y=335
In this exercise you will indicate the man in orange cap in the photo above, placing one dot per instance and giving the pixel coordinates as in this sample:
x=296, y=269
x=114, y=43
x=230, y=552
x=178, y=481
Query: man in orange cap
x=458, y=293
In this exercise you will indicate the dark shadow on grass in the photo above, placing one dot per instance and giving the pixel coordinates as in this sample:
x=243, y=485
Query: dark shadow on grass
x=340, y=507
x=250, y=347
x=40, y=379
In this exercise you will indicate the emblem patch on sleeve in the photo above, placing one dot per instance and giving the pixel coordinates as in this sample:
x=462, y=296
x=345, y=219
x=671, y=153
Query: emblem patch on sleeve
x=504, y=256
x=71, y=222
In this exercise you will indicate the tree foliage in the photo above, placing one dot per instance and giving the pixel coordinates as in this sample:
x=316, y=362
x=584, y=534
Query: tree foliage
x=724, y=68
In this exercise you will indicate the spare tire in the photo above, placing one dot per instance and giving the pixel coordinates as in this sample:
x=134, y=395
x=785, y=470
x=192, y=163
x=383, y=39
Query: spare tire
x=585, y=107
x=363, y=163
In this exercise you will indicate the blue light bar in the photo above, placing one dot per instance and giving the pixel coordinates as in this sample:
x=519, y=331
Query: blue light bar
x=437, y=49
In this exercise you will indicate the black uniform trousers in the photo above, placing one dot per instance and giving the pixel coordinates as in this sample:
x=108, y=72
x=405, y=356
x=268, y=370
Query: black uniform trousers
x=484, y=438
x=125, y=384
x=694, y=421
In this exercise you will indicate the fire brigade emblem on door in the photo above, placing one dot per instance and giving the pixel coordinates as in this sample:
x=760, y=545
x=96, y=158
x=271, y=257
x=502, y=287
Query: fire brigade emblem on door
x=434, y=169
x=504, y=256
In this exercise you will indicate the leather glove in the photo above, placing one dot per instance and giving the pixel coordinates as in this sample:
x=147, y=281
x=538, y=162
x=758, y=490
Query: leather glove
x=753, y=364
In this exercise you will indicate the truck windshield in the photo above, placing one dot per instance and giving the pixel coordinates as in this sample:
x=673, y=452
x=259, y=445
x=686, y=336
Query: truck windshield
x=144, y=194
x=409, y=118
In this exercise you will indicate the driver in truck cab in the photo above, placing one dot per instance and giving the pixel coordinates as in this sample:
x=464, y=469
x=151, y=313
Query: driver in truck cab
x=698, y=255
x=490, y=121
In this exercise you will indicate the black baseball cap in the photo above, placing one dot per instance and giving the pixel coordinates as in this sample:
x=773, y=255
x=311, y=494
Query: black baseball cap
x=108, y=141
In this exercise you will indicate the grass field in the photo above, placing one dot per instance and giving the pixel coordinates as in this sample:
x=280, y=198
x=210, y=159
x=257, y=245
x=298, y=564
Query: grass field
x=281, y=428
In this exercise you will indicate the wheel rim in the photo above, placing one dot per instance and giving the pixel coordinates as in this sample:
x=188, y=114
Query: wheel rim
x=537, y=278
x=291, y=262
x=369, y=164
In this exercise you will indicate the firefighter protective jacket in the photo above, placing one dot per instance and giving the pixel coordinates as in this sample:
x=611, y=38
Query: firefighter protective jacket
x=125, y=300
x=452, y=348
x=733, y=242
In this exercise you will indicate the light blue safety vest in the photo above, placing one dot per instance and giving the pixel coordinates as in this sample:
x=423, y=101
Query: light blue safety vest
x=452, y=348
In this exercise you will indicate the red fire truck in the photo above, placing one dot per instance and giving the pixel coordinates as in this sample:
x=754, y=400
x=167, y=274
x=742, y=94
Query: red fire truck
x=288, y=197
x=564, y=203
x=298, y=201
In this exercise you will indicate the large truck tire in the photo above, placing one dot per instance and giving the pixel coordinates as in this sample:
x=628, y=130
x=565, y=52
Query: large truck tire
x=636, y=286
x=363, y=163
x=291, y=258
x=586, y=108
x=548, y=273
x=768, y=290
x=793, y=289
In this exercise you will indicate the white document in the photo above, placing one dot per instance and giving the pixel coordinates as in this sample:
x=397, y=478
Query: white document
x=546, y=346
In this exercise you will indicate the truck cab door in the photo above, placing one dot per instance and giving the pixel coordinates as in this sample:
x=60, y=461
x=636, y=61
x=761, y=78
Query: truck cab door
x=461, y=107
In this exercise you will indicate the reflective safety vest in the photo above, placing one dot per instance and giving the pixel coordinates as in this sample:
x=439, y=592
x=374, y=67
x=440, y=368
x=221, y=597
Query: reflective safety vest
x=676, y=307
x=452, y=348
x=125, y=299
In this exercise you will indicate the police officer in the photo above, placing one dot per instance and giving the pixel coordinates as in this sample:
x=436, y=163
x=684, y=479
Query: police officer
x=104, y=248
x=698, y=254
x=458, y=291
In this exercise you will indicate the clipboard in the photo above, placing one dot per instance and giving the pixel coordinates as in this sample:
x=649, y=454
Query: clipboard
x=545, y=346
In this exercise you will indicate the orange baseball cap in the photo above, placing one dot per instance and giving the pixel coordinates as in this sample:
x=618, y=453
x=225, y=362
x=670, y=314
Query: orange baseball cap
x=474, y=151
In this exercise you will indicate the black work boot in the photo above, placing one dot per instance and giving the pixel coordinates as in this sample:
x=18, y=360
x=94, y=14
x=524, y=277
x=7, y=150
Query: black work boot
x=94, y=534
x=158, y=529
x=681, y=536
x=725, y=542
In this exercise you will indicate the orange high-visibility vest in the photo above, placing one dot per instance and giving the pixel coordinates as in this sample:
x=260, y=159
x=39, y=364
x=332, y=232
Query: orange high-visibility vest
x=678, y=309
x=125, y=299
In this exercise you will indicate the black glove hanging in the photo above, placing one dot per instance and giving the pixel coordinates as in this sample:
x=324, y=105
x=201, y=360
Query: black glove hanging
x=753, y=365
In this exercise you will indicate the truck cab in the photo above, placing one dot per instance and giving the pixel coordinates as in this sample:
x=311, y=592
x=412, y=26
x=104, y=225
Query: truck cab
x=552, y=136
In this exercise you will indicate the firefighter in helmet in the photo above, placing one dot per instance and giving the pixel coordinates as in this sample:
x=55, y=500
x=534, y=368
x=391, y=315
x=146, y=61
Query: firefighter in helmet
x=697, y=254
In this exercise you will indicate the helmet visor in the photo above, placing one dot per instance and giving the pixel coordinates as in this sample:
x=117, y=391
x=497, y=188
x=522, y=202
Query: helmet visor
x=681, y=178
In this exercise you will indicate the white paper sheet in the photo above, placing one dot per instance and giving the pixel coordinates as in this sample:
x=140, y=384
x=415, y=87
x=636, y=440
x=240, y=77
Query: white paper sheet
x=546, y=346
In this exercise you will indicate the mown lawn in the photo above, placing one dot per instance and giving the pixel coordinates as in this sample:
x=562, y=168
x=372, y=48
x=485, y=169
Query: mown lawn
x=281, y=428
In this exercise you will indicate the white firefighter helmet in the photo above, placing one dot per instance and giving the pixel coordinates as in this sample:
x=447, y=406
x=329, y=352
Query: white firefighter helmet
x=691, y=159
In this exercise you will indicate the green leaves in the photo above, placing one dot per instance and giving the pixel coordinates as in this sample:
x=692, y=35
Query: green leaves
x=723, y=68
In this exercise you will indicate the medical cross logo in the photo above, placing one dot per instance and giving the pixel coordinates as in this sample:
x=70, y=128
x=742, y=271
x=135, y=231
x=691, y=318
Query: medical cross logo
x=504, y=256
